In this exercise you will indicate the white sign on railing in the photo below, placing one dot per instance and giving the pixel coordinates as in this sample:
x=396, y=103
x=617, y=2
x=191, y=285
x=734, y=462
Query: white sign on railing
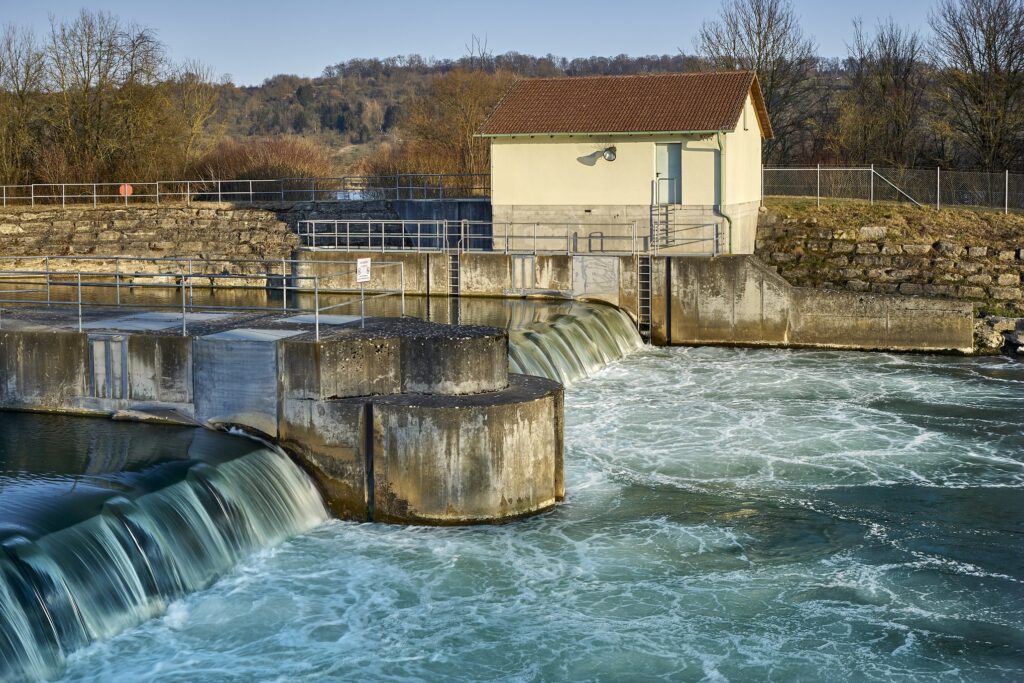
x=363, y=270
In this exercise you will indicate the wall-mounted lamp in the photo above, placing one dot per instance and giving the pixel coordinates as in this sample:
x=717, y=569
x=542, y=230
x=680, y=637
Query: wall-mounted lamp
x=608, y=154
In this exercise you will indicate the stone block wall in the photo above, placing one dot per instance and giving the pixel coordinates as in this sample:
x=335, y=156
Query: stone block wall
x=211, y=231
x=188, y=231
x=872, y=259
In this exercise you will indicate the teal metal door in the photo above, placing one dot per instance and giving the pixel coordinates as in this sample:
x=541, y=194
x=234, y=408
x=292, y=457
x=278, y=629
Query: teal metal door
x=669, y=169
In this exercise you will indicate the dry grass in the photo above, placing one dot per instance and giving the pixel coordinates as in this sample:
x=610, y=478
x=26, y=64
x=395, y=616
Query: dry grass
x=906, y=223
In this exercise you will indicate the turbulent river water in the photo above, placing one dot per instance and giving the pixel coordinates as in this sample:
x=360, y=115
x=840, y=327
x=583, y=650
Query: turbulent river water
x=731, y=515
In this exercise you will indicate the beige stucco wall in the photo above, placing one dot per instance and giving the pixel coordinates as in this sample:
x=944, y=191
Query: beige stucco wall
x=547, y=170
x=743, y=159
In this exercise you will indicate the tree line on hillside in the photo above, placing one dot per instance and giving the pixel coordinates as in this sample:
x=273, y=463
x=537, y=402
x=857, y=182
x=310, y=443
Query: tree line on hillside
x=955, y=101
x=97, y=99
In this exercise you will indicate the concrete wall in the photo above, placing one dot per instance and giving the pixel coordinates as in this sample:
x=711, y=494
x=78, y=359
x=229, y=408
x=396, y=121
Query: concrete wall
x=419, y=441
x=738, y=300
x=95, y=373
x=420, y=423
x=401, y=421
x=481, y=273
x=442, y=209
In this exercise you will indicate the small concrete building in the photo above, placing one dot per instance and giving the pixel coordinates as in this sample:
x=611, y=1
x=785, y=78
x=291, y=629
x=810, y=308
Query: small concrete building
x=676, y=157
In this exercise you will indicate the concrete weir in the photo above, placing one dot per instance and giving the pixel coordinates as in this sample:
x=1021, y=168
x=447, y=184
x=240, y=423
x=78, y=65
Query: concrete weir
x=429, y=428
x=400, y=421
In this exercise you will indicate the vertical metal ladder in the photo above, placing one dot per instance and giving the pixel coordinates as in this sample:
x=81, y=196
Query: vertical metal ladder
x=661, y=218
x=643, y=295
x=453, y=274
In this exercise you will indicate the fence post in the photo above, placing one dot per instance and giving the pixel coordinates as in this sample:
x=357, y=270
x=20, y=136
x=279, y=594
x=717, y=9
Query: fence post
x=5, y=195
x=218, y=192
x=188, y=192
x=1006, y=191
x=817, y=193
x=250, y=192
x=872, y=184
x=32, y=194
x=316, y=305
x=938, y=188
x=184, y=320
x=79, y=300
x=158, y=193
x=63, y=194
x=401, y=272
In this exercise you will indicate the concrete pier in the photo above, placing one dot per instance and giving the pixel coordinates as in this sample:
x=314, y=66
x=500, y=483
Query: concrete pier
x=399, y=421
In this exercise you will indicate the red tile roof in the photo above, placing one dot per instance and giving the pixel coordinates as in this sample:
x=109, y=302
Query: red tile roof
x=658, y=103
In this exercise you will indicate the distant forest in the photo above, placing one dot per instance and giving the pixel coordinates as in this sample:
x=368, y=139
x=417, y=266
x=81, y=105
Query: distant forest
x=363, y=99
x=97, y=99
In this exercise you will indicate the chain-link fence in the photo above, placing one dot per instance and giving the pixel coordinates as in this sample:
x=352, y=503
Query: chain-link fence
x=924, y=187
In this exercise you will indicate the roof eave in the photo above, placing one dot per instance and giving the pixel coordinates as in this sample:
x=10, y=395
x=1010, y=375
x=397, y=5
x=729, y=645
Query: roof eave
x=608, y=133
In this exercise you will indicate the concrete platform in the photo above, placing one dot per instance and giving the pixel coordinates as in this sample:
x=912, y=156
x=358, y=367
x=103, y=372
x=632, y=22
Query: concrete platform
x=151, y=321
x=398, y=420
x=250, y=334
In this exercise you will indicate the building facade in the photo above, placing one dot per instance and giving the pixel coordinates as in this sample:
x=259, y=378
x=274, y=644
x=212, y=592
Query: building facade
x=603, y=161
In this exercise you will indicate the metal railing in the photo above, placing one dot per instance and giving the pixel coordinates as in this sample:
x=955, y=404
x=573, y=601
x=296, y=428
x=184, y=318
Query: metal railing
x=343, y=188
x=502, y=237
x=1000, y=191
x=55, y=286
x=683, y=238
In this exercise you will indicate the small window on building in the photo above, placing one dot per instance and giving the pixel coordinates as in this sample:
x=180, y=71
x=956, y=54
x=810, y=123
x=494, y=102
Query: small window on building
x=744, y=117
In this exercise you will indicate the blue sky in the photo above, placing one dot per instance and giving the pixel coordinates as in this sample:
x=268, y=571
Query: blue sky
x=255, y=39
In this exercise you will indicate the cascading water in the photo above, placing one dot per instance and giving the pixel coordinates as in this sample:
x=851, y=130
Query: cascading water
x=146, y=545
x=568, y=347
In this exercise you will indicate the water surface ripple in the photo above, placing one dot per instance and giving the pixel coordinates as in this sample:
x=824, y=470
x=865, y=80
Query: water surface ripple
x=732, y=515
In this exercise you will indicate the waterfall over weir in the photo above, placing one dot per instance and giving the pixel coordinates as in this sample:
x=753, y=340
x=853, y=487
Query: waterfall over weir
x=569, y=347
x=115, y=569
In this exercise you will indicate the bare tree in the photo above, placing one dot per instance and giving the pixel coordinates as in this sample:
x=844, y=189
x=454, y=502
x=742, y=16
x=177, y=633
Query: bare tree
x=103, y=74
x=478, y=55
x=21, y=76
x=980, y=47
x=194, y=103
x=765, y=36
x=882, y=113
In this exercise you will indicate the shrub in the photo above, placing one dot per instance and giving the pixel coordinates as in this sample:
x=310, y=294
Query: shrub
x=268, y=158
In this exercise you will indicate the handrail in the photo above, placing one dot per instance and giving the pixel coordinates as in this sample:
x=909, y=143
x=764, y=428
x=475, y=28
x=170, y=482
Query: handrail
x=251, y=191
x=510, y=237
x=48, y=281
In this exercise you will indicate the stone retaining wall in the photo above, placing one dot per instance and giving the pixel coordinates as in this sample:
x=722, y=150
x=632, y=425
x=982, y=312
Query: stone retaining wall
x=870, y=259
x=211, y=231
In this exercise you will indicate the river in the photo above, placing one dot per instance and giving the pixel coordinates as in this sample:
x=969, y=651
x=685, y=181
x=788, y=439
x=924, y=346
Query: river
x=732, y=514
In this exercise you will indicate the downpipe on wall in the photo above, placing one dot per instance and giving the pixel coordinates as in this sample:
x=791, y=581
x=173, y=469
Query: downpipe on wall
x=721, y=185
